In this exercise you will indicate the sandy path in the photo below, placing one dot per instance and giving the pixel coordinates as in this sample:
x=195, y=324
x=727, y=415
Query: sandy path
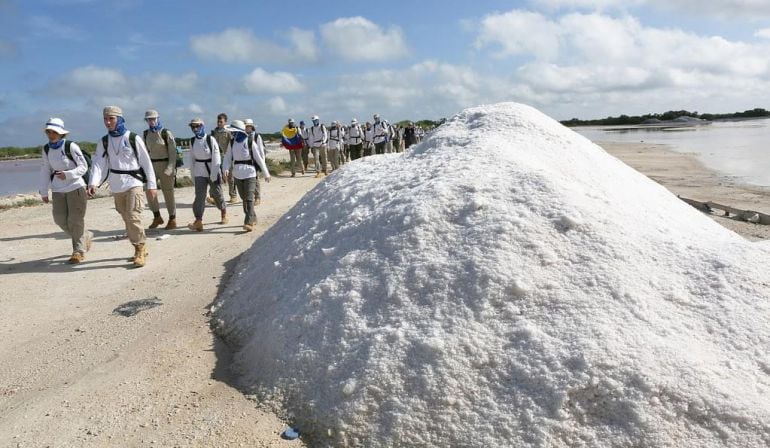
x=73, y=373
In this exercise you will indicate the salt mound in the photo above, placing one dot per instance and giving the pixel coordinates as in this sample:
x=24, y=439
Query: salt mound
x=505, y=283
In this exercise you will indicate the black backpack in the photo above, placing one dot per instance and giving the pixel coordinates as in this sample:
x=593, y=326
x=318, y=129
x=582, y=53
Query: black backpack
x=136, y=174
x=68, y=152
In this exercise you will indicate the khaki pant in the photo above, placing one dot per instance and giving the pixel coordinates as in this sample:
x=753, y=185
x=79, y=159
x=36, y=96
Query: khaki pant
x=334, y=157
x=246, y=188
x=295, y=158
x=166, y=184
x=69, y=212
x=130, y=205
x=320, y=159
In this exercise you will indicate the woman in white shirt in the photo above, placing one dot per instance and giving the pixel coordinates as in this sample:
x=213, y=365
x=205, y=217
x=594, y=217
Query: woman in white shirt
x=62, y=172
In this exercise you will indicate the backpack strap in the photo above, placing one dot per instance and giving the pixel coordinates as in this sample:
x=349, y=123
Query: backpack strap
x=139, y=174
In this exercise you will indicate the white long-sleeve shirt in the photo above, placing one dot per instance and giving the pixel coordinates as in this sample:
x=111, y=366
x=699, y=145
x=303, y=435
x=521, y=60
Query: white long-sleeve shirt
x=317, y=136
x=380, y=132
x=336, y=137
x=354, y=136
x=200, y=151
x=57, y=160
x=120, y=156
x=241, y=152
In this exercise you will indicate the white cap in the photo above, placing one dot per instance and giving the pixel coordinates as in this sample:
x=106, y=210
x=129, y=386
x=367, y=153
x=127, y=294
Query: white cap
x=248, y=122
x=315, y=117
x=354, y=121
x=56, y=125
x=237, y=125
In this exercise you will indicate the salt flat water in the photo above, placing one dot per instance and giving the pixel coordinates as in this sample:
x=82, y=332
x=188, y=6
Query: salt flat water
x=739, y=150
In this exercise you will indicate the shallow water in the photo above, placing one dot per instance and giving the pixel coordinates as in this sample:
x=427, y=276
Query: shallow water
x=738, y=150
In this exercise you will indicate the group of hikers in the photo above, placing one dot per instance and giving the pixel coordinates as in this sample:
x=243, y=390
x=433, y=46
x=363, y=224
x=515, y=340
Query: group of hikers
x=340, y=143
x=233, y=154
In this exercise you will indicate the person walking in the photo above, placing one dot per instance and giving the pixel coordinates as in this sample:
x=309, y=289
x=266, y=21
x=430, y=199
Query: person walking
x=291, y=139
x=354, y=138
x=122, y=157
x=410, y=135
x=318, y=138
x=303, y=132
x=223, y=137
x=368, y=137
x=242, y=162
x=251, y=131
x=380, y=135
x=64, y=166
x=162, y=148
x=207, y=174
x=336, y=136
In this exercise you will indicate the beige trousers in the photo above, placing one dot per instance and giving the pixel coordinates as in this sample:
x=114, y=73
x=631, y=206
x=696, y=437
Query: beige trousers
x=69, y=212
x=166, y=184
x=130, y=205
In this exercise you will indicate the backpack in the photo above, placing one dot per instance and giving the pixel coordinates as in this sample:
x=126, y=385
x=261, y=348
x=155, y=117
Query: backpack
x=136, y=174
x=68, y=152
x=164, y=135
x=251, y=154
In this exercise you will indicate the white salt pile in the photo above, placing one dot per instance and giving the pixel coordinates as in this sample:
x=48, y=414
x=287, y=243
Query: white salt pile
x=505, y=283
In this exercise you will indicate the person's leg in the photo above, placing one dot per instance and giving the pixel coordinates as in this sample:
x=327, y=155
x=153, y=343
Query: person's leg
x=322, y=156
x=167, y=187
x=76, y=206
x=231, y=181
x=153, y=203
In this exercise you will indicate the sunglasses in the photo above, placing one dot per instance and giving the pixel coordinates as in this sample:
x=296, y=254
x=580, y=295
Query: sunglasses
x=194, y=126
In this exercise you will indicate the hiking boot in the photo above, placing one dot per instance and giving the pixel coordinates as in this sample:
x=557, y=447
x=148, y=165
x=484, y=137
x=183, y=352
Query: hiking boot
x=139, y=255
x=197, y=225
x=171, y=224
x=225, y=219
x=303, y=172
x=76, y=258
x=232, y=201
x=317, y=174
x=210, y=200
x=248, y=227
x=156, y=221
x=293, y=174
x=257, y=201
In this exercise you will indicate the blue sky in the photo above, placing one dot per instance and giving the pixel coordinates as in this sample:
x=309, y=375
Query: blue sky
x=345, y=59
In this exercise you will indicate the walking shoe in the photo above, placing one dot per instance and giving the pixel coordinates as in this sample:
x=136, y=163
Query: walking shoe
x=210, y=200
x=156, y=222
x=232, y=201
x=171, y=224
x=225, y=219
x=303, y=172
x=197, y=225
x=293, y=174
x=317, y=174
x=140, y=255
x=76, y=258
x=248, y=227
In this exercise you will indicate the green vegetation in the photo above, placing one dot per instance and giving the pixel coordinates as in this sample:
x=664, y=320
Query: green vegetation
x=27, y=202
x=666, y=116
x=276, y=167
x=31, y=152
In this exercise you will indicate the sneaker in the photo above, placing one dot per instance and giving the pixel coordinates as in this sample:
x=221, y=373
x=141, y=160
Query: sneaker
x=76, y=258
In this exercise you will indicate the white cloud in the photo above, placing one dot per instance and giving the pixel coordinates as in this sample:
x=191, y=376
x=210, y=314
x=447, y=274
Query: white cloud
x=358, y=39
x=261, y=81
x=754, y=9
x=240, y=45
x=44, y=26
x=763, y=33
x=277, y=105
x=520, y=32
x=96, y=80
x=195, y=108
x=164, y=82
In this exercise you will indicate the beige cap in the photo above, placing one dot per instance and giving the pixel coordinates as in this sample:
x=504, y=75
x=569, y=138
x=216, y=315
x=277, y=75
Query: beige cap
x=56, y=125
x=110, y=111
x=196, y=121
x=151, y=113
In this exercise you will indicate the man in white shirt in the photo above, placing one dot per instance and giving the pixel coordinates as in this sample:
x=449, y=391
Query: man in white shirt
x=122, y=158
x=318, y=138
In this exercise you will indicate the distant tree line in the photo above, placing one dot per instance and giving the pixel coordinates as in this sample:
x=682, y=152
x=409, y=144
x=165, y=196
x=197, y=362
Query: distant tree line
x=666, y=116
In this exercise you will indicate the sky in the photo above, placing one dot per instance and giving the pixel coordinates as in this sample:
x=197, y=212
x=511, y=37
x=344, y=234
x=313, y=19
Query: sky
x=343, y=59
x=558, y=299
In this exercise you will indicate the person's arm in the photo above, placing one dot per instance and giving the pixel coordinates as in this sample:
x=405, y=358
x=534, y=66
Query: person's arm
x=99, y=165
x=146, y=164
x=45, y=177
x=260, y=159
x=216, y=160
x=81, y=166
x=171, y=149
x=227, y=163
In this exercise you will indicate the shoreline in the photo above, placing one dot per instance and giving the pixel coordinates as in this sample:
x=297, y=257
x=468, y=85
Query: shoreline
x=684, y=175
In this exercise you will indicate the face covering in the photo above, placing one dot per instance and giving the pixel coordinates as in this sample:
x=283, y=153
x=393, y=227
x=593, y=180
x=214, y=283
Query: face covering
x=201, y=132
x=157, y=126
x=315, y=122
x=56, y=145
x=120, y=129
x=240, y=136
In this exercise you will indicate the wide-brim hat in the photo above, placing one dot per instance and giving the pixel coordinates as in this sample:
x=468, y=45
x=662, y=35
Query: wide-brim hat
x=248, y=122
x=196, y=121
x=237, y=126
x=56, y=125
x=354, y=121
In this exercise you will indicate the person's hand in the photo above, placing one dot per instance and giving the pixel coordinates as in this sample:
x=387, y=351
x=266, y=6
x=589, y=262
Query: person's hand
x=168, y=171
x=152, y=194
x=267, y=179
x=44, y=198
x=227, y=174
x=91, y=191
x=60, y=175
